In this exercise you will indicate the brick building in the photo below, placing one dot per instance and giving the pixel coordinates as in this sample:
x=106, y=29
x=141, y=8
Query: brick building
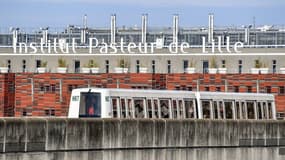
x=29, y=94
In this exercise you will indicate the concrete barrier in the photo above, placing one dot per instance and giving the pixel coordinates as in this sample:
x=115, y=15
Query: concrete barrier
x=140, y=139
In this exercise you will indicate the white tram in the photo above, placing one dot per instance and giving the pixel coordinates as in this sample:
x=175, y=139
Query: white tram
x=130, y=103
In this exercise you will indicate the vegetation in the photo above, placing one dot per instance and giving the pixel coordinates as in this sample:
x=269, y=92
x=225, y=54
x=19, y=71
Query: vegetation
x=43, y=64
x=62, y=63
x=192, y=64
x=2, y=64
x=92, y=64
x=213, y=63
x=257, y=63
x=123, y=63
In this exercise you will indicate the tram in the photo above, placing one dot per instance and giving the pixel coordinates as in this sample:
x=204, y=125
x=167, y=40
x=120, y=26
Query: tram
x=133, y=103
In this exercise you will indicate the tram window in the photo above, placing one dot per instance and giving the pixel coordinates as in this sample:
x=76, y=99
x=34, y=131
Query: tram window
x=243, y=110
x=164, y=105
x=229, y=110
x=149, y=108
x=269, y=110
x=259, y=110
x=139, y=112
x=206, y=109
x=155, y=105
x=114, y=105
x=90, y=105
x=189, y=108
x=180, y=106
x=123, y=108
x=237, y=110
x=250, y=110
x=221, y=105
x=130, y=108
x=175, y=109
x=265, y=111
x=216, y=111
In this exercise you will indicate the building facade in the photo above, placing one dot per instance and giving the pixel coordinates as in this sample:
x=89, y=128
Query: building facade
x=211, y=58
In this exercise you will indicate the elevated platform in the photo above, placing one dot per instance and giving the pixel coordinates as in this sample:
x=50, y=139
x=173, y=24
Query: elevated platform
x=109, y=139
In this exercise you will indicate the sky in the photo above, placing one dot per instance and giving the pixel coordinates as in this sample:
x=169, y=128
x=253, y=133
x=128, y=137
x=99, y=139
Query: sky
x=192, y=13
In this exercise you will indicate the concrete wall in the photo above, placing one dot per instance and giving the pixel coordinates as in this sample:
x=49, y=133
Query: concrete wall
x=161, y=61
x=113, y=139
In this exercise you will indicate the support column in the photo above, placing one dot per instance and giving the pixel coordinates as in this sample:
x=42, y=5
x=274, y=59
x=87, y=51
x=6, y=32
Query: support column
x=15, y=38
x=144, y=28
x=113, y=28
x=84, y=30
x=211, y=28
x=175, y=28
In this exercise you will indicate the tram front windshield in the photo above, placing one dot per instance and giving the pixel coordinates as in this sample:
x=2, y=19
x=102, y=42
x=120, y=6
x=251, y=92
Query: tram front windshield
x=90, y=105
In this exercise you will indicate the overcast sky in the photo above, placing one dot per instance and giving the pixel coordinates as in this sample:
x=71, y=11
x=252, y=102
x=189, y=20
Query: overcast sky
x=60, y=13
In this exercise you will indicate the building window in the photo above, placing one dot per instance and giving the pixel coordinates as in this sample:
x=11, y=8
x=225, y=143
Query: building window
x=53, y=88
x=153, y=66
x=218, y=89
x=274, y=66
x=24, y=113
x=207, y=88
x=38, y=63
x=268, y=89
x=71, y=87
x=249, y=89
x=50, y=112
x=189, y=88
x=9, y=65
x=107, y=66
x=168, y=66
x=223, y=63
x=185, y=65
x=236, y=88
x=138, y=66
x=24, y=66
x=240, y=66
x=77, y=66
x=281, y=90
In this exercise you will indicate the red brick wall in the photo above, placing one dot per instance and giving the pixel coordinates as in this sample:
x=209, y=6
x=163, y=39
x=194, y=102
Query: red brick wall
x=7, y=94
x=47, y=99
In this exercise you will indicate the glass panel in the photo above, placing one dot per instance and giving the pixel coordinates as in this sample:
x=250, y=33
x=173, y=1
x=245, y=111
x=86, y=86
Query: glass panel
x=164, y=105
x=139, y=112
x=216, y=111
x=149, y=109
x=237, y=110
x=180, y=106
x=269, y=110
x=250, y=110
x=90, y=105
x=155, y=105
x=221, y=109
x=130, y=108
x=264, y=110
x=175, y=109
x=259, y=110
x=243, y=110
x=206, y=109
x=189, y=108
x=229, y=111
x=123, y=108
x=114, y=105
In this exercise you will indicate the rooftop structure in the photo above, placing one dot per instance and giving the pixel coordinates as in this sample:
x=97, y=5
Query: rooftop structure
x=267, y=35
